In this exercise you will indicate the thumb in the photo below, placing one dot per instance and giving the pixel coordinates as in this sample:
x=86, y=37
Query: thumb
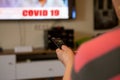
x=64, y=48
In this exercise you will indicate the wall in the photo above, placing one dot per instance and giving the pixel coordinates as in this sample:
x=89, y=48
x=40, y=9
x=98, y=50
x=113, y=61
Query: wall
x=30, y=33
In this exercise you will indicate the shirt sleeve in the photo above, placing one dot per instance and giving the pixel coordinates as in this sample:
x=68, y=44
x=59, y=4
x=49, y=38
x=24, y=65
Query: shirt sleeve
x=98, y=59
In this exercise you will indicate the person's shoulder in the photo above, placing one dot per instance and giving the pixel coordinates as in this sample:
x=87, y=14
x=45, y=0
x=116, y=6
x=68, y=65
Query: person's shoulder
x=111, y=34
x=109, y=38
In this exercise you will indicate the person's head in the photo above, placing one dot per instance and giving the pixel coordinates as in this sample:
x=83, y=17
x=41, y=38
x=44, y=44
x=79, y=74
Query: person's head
x=116, y=4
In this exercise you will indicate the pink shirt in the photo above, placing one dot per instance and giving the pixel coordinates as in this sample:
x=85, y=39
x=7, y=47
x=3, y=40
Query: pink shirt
x=99, y=57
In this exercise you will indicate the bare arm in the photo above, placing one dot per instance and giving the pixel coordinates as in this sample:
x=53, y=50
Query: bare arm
x=66, y=56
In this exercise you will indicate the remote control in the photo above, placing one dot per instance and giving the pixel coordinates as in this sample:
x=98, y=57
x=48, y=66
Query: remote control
x=58, y=42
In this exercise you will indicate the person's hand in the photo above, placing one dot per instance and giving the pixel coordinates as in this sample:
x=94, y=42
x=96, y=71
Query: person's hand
x=65, y=55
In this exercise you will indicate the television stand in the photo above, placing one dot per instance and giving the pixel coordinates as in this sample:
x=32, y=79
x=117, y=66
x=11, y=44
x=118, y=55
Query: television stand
x=30, y=65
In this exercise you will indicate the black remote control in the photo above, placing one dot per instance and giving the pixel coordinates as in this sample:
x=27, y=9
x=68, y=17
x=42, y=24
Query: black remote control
x=57, y=41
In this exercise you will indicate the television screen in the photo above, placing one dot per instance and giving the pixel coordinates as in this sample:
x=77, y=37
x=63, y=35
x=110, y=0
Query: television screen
x=37, y=9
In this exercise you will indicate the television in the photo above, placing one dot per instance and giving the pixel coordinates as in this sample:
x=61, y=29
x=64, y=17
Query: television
x=37, y=9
